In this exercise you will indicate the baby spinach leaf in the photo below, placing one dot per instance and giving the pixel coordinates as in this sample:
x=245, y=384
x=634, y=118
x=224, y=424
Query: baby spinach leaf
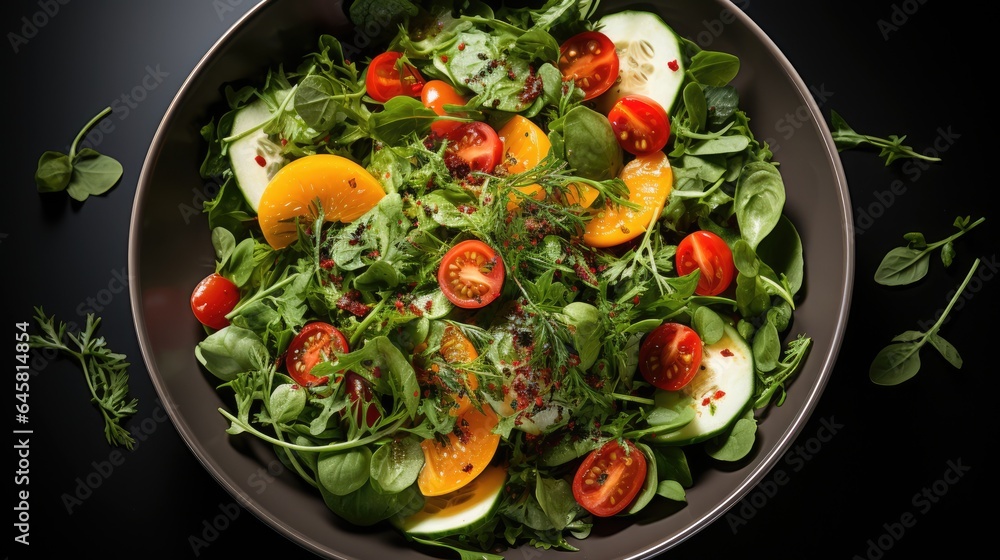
x=906, y=265
x=81, y=174
x=760, y=196
x=900, y=360
x=736, y=443
x=93, y=174
x=714, y=68
x=343, y=472
x=230, y=351
x=287, y=402
x=396, y=465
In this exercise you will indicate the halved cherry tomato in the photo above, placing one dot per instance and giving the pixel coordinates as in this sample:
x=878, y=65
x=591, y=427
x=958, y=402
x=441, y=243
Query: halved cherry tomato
x=640, y=123
x=212, y=299
x=471, y=275
x=473, y=146
x=590, y=60
x=610, y=478
x=315, y=343
x=385, y=80
x=670, y=355
x=708, y=252
x=359, y=392
x=435, y=95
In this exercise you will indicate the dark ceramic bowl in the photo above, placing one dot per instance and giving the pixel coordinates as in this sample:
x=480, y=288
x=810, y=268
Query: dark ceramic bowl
x=170, y=251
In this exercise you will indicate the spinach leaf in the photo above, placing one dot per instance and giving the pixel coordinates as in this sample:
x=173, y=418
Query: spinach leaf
x=760, y=197
x=900, y=360
x=402, y=117
x=343, y=472
x=714, y=68
x=585, y=139
x=906, y=265
x=81, y=174
x=396, y=465
x=230, y=351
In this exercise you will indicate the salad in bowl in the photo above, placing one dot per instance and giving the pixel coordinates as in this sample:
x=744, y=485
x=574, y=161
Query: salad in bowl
x=500, y=276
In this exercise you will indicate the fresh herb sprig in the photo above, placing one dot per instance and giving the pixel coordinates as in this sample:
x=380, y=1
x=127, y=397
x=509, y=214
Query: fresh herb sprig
x=906, y=265
x=900, y=360
x=80, y=173
x=106, y=371
x=892, y=148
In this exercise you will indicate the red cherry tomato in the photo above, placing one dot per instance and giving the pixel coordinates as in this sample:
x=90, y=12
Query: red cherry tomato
x=640, y=124
x=590, y=60
x=315, y=343
x=471, y=275
x=435, y=95
x=670, y=355
x=473, y=146
x=212, y=299
x=708, y=252
x=360, y=393
x=610, y=478
x=384, y=79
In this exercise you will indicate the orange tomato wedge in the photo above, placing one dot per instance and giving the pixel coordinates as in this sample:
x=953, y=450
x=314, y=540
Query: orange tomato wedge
x=649, y=179
x=470, y=448
x=524, y=145
x=344, y=189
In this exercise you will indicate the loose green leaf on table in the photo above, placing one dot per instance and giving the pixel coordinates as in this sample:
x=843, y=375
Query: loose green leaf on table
x=80, y=173
x=900, y=360
x=106, y=372
x=892, y=148
x=905, y=265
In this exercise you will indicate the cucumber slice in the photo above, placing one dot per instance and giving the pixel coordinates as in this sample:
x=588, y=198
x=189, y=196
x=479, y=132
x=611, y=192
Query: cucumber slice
x=255, y=158
x=461, y=511
x=650, y=57
x=719, y=394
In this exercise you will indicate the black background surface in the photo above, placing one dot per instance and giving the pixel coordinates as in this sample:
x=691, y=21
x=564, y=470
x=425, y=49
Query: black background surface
x=860, y=466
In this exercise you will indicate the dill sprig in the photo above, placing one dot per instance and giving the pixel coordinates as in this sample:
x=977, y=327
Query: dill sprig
x=106, y=371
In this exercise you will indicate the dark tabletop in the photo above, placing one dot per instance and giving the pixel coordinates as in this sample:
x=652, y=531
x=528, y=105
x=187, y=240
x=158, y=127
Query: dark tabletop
x=876, y=472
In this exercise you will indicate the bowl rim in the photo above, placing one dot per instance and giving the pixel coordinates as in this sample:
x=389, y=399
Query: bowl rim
x=754, y=477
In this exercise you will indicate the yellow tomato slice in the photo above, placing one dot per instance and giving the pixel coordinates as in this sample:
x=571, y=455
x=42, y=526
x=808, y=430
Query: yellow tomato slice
x=524, y=145
x=469, y=450
x=649, y=179
x=457, y=349
x=344, y=189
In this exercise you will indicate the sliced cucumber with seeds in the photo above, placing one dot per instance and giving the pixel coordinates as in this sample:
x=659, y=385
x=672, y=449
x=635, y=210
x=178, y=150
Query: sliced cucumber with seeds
x=718, y=395
x=255, y=158
x=461, y=511
x=650, y=59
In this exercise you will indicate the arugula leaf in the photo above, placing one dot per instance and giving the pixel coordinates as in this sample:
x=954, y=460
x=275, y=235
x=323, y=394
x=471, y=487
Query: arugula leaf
x=900, y=360
x=906, y=265
x=892, y=148
x=106, y=371
x=81, y=174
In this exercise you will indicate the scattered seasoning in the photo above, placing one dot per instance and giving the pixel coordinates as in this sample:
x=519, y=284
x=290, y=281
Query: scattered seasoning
x=260, y=161
x=727, y=352
x=673, y=65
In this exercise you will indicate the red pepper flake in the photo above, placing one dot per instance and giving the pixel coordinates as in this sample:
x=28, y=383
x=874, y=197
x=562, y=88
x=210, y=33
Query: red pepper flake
x=726, y=352
x=284, y=141
x=719, y=394
x=673, y=65
x=326, y=264
x=260, y=161
x=467, y=468
x=444, y=58
x=706, y=401
x=353, y=182
x=461, y=46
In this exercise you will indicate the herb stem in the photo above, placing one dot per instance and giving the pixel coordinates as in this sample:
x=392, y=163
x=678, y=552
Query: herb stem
x=83, y=131
x=947, y=310
x=313, y=448
x=365, y=322
x=632, y=398
x=954, y=236
x=261, y=294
